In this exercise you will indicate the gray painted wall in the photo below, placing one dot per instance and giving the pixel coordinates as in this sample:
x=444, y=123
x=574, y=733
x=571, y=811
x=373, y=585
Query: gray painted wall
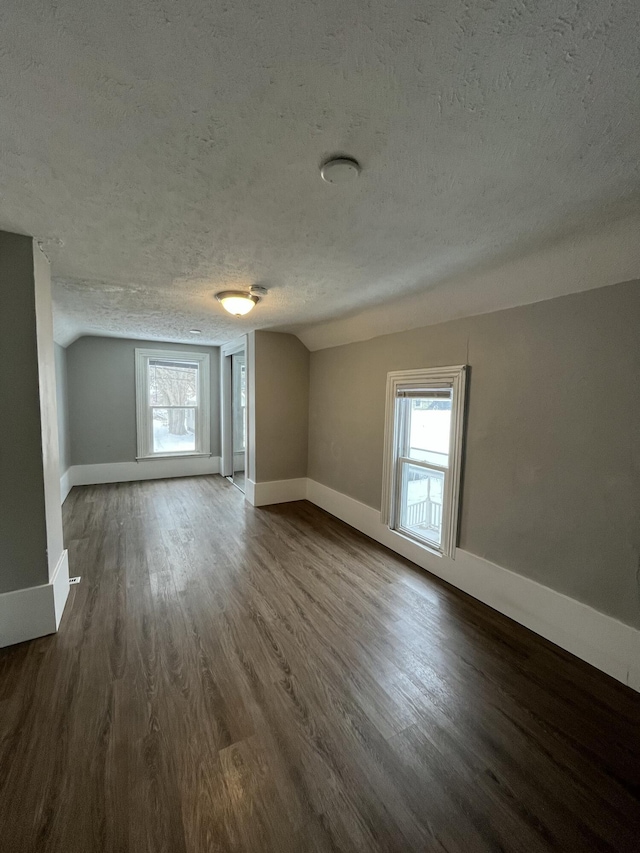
x=102, y=402
x=63, y=408
x=281, y=407
x=551, y=484
x=28, y=481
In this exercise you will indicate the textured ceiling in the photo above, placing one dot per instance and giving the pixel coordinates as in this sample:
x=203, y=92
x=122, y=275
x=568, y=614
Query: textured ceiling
x=162, y=151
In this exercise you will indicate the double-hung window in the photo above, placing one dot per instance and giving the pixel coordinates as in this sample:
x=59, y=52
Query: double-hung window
x=172, y=403
x=423, y=455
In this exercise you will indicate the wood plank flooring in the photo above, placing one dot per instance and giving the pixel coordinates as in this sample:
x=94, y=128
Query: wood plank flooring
x=238, y=679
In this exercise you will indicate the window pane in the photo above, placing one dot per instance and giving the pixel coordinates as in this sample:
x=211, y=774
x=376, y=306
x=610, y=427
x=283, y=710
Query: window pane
x=174, y=430
x=429, y=428
x=173, y=383
x=421, y=502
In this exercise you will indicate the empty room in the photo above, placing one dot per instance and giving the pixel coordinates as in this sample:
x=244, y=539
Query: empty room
x=320, y=470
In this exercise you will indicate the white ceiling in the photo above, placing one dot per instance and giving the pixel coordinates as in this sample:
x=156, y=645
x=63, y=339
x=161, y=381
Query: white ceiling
x=162, y=151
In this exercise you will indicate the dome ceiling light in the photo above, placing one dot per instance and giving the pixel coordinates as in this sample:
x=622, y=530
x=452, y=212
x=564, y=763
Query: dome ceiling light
x=340, y=170
x=239, y=302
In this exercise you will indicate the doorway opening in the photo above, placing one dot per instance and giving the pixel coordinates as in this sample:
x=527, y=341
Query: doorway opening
x=234, y=412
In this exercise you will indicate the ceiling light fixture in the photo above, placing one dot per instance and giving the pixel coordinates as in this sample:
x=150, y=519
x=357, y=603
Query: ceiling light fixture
x=340, y=170
x=237, y=302
x=195, y=331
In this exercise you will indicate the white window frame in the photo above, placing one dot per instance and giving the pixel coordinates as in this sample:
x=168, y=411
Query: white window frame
x=437, y=377
x=144, y=420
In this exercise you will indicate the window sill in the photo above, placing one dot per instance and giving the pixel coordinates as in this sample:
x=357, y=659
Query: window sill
x=419, y=542
x=172, y=456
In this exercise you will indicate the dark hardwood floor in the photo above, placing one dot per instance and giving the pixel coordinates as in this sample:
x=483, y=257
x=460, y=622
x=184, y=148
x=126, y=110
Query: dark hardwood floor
x=238, y=679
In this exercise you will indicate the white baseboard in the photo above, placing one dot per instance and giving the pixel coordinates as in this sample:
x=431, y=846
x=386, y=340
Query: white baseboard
x=60, y=586
x=35, y=611
x=601, y=640
x=147, y=469
x=276, y=491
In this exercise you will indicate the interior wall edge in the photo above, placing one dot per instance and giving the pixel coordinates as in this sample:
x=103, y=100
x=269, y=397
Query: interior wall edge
x=66, y=485
x=276, y=491
x=35, y=611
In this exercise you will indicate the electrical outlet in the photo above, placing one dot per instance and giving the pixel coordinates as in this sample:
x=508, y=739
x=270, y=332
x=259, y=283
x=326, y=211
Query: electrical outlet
x=74, y=580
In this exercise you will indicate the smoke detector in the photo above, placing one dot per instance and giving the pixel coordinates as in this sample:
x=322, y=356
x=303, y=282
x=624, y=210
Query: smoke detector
x=340, y=170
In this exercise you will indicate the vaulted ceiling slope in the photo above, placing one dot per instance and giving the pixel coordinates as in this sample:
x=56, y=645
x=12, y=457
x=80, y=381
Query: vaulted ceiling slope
x=162, y=151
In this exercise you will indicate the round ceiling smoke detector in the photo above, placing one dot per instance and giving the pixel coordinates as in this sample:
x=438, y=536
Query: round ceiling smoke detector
x=340, y=170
